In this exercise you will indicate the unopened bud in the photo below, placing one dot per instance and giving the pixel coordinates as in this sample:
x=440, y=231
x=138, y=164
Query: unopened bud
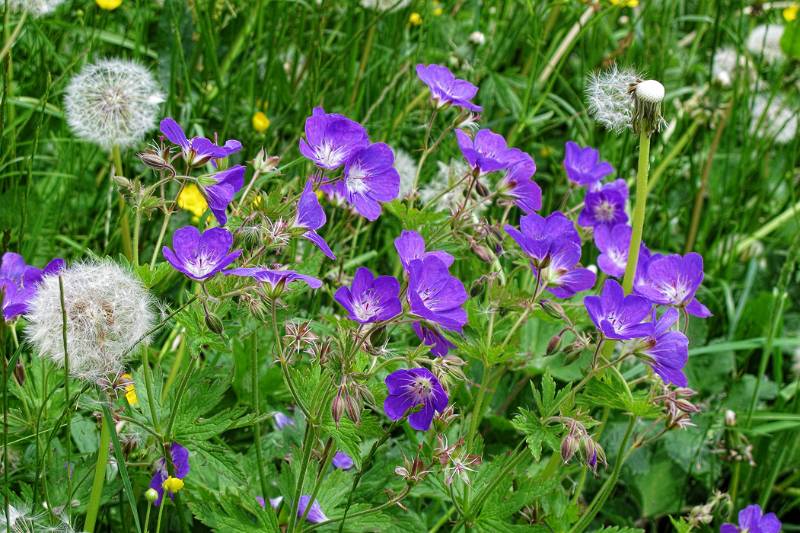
x=482, y=252
x=552, y=308
x=151, y=495
x=156, y=161
x=730, y=418
x=481, y=189
x=122, y=182
x=214, y=324
x=552, y=346
x=338, y=406
x=569, y=447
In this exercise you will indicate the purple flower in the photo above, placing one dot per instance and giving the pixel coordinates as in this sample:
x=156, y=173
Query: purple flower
x=664, y=350
x=221, y=193
x=436, y=295
x=446, y=88
x=561, y=275
x=673, y=280
x=273, y=502
x=613, y=243
x=370, y=178
x=282, y=420
x=180, y=460
x=753, y=520
x=430, y=337
x=197, y=150
x=331, y=139
x=18, y=283
x=342, y=461
x=311, y=217
x=200, y=256
x=485, y=153
x=583, y=165
x=410, y=246
x=605, y=205
x=618, y=316
x=537, y=234
x=274, y=277
x=412, y=388
x=518, y=184
x=315, y=514
x=370, y=299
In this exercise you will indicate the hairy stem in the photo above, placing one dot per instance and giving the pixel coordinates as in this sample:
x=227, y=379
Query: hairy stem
x=257, y=407
x=124, y=224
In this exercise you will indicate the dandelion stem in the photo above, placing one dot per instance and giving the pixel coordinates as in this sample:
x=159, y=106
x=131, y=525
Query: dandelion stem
x=160, y=511
x=124, y=224
x=99, y=477
x=638, y=211
x=66, y=396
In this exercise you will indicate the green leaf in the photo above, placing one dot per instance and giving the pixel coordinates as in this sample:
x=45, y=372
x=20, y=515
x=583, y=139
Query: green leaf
x=536, y=433
x=123, y=470
x=790, y=40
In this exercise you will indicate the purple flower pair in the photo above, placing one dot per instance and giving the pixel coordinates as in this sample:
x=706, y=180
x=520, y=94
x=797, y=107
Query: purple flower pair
x=584, y=167
x=369, y=177
x=274, y=277
x=672, y=280
x=180, y=460
x=369, y=298
x=197, y=150
x=446, y=89
x=201, y=256
x=315, y=514
x=415, y=387
x=753, y=520
x=553, y=245
x=18, y=282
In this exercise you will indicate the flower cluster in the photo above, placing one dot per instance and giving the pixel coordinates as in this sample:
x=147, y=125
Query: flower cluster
x=19, y=281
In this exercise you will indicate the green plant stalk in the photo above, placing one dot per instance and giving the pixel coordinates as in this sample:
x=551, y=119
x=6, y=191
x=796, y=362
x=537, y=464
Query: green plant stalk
x=323, y=466
x=137, y=225
x=124, y=224
x=66, y=395
x=99, y=477
x=147, y=517
x=257, y=408
x=12, y=38
x=308, y=446
x=638, y=212
x=160, y=511
x=6, y=507
x=148, y=386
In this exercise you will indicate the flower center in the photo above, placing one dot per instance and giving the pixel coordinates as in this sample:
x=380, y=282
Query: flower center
x=604, y=211
x=618, y=256
x=201, y=265
x=356, y=180
x=420, y=389
x=368, y=306
x=676, y=292
x=329, y=155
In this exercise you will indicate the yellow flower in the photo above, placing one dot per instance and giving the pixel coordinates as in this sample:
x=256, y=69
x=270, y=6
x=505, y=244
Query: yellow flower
x=415, y=19
x=108, y=5
x=173, y=484
x=257, y=201
x=790, y=13
x=192, y=200
x=130, y=390
x=260, y=122
x=437, y=9
x=625, y=3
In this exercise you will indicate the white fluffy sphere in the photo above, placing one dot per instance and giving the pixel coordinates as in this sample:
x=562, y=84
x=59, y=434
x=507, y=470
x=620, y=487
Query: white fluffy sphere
x=36, y=8
x=108, y=311
x=113, y=102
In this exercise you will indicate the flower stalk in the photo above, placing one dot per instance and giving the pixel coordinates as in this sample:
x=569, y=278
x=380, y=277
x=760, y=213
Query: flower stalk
x=638, y=211
x=99, y=477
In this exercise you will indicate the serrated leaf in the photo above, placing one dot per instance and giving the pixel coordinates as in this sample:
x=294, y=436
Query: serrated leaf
x=536, y=433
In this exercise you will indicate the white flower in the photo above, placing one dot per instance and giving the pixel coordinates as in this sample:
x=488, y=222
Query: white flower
x=384, y=5
x=36, y=8
x=773, y=119
x=406, y=166
x=610, y=100
x=113, y=102
x=765, y=40
x=108, y=312
x=477, y=38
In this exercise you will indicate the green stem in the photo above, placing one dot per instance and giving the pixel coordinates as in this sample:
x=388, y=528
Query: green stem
x=148, y=386
x=147, y=517
x=66, y=395
x=308, y=447
x=137, y=224
x=769, y=227
x=160, y=239
x=14, y=35
x=638, y=211
x=124, y=224
x=99, y=477
x=254, y=370
x=160, y=511
x=323, y=465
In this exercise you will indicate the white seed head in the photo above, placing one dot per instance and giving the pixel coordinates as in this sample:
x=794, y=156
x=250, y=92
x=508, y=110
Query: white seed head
x=477, y=38
x=765, y=40
x=609, y=95
x=773, y=119
x=385, y=5
x=725, y=64
x=113, y=102
x=37, y=8
x=406, y=166
x=447, y=189
x=650, y=91
x=108, y=311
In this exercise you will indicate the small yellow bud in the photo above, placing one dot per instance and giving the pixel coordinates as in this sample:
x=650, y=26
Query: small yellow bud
x=173, y=484
x=260, y=122
x=790, y=13
x=108, y=5
x=437, y=11
x=192, y=200
x=130, y=390
x=257, y=201
x=415, y=19
x=151, y=495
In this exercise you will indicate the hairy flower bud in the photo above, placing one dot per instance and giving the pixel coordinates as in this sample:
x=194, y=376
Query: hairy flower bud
x=214, y=323
x=569, y=447
x=553, y=344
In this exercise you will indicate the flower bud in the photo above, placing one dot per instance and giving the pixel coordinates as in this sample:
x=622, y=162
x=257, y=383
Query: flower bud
x=265, y=163
x=481, y=189
x=214, y=324
x=730, y=418
x=156, y=161
x=552, y=346
x=482, y=252
x=569, y=447
x=338, y=406
x=151, y=495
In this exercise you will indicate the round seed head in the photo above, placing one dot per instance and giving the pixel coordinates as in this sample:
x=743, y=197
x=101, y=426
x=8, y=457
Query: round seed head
x=37, y=8
x=609, y=96
x=113, y=102
x=650, y=91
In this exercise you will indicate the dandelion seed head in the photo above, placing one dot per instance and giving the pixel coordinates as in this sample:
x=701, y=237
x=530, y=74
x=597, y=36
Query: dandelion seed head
x=108, y=311
x=765, y=40
x=113, y=102
x=725, y=64
x=406, y=166
x=773, y=119
x=384, y=5
x=37, y=8
x=610, y=101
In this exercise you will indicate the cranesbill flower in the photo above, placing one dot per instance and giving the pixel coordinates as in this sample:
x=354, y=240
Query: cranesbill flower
x=180, y=460
x=436, y=295
x=310, y=216
x=618, y=316
x=673, y=280
x=538, y=234
x=431, y=337
x=410, y=246
x=331, y=139
x=446, y=89
x=221, y=193
x=518, y=183
x=370, y=179
x=605, y=205
x=753, y=520
x=583, y=165
x=18, y=283
x=666, y=351
x=274, y=277
x=342, y=461
x=485, y=153
x=282, y=420
x=315, y=514
x=560, y=274
x=273, y=502
x=412, y=388
x=197, y=150
x=200, y=256
x=613, y=243
x=370, y=298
